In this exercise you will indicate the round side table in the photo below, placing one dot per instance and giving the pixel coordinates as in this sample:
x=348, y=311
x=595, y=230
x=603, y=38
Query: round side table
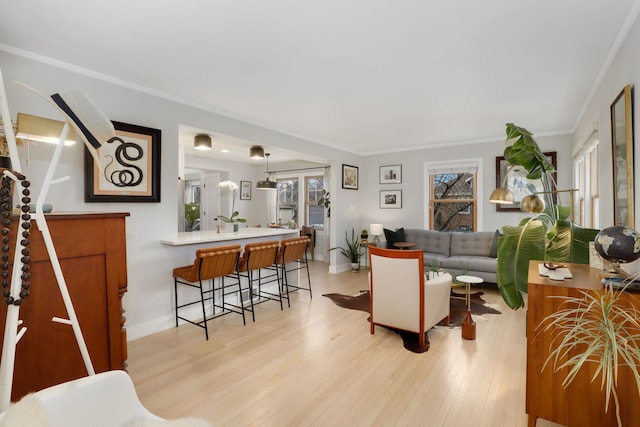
x=404, y=245
x=468, y=324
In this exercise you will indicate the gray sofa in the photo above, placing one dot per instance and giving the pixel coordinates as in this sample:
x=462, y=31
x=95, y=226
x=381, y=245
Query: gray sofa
x=471, y=252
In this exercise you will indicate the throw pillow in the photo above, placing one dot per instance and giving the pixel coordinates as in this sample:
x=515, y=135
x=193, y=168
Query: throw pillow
x=493, y=252
x=394, y=236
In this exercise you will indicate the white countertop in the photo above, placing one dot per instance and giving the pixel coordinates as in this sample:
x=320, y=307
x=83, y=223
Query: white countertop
x=195, y=237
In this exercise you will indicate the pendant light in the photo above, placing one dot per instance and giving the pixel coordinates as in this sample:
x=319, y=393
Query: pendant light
x=202, y=142
x=267, y=184
x=256, y=152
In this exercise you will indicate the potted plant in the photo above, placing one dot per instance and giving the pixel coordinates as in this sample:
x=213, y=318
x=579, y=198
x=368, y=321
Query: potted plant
x=364, y=234
x=547, y=236
x=234, y=217
x=434, y=269
x=352, y=250
x=596, y=329
x=325, y=201
x=191, y=214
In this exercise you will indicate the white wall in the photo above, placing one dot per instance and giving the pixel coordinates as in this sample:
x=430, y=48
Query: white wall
x=414, y=186
x=624, y=69
x=149, y=301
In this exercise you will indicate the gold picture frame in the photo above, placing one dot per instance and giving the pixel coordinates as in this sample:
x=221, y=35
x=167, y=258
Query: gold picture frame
x=622, y=156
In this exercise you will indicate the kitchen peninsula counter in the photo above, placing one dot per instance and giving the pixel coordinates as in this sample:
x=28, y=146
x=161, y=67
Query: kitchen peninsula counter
x=231, y=238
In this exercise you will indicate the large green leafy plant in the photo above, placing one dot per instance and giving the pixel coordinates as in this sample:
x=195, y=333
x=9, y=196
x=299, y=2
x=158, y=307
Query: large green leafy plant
x=191, y=212
x=325, y=200
x=548, y=235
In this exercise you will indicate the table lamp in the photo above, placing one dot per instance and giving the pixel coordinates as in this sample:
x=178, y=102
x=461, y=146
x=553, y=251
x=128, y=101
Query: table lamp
x=376, y=230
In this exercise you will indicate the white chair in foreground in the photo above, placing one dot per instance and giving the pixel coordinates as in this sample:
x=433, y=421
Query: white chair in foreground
x=401, y=298
x=107, y=399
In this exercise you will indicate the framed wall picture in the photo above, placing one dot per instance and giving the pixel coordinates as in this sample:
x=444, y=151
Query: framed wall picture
x=391, y=174
x=622, y=154
x=245, y=190
x=350, y=177
x=130, y=167
x=517, y=181
x=390, y=199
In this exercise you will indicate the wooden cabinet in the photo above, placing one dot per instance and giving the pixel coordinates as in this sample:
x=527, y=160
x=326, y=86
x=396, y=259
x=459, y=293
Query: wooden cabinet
x=92, y=253
x=582, y=403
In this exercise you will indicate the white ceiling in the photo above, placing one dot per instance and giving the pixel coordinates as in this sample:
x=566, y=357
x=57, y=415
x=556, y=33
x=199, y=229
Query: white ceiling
x=368, y=76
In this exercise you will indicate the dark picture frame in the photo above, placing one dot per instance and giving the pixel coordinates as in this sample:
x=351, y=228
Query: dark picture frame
x=622, y=155
x=350, y=177
x=130, y=167
x=245, y=190
x=391, y=174
x=390, y=199
x=518, y=183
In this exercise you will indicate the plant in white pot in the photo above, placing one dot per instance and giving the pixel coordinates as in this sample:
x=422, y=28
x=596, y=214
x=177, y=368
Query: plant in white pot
x=234, y=217
x=353, y=249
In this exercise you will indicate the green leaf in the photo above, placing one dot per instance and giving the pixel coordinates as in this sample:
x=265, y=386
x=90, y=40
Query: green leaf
x=526, y=152
x=569, y=242
x=516, y=248
x=191, y=212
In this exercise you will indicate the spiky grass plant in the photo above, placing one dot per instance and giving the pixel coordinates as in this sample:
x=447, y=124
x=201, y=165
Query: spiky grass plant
x=595, y=328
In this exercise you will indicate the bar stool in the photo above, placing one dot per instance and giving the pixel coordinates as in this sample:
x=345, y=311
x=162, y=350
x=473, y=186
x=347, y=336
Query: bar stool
x=260, y=258
x=294, y=250
x=211, y=263
x=310, y=232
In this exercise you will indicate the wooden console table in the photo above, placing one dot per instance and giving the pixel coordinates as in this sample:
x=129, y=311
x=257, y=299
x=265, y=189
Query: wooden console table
x=582, y=403
x=92, y=252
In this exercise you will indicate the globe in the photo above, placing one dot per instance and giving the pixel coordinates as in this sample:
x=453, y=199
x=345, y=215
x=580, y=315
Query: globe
x=618, y=244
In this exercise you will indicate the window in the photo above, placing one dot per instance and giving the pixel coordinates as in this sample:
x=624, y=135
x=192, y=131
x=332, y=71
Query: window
x=586, y=179
x=452, y=197
x=314, y=214
x=288, y=201
x=579, y=185
x=192, y=191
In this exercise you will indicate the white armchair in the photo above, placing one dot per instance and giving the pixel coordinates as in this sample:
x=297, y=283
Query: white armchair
x=401, y=298
x=107, y=399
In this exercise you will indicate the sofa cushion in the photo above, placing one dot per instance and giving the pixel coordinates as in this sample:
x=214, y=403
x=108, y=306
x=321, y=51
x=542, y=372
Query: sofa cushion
x=469, y=264
x=431, y=242
x=394, y=236
x=493, y=252
x=476, y=244
x=432, y=260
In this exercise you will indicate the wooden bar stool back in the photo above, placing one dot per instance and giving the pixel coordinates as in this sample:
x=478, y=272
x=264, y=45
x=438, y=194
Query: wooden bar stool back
x=293, y=257
x=310, y=232
x=258, y=262
x=211, y=263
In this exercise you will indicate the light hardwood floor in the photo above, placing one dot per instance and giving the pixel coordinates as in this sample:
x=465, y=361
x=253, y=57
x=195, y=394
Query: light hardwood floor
x=316, y=364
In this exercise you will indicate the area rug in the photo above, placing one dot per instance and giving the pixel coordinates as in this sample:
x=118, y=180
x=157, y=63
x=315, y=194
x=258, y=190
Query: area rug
x=457, y=313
